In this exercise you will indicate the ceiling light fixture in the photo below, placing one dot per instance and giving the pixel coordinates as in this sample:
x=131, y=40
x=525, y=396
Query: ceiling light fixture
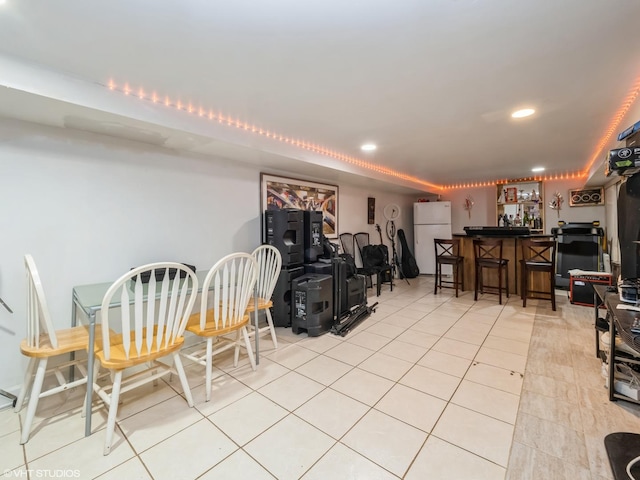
x=525, y=112
x=368, y=147
x=537, y=169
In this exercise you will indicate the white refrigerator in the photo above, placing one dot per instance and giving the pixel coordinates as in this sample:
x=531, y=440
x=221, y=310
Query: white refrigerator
x=430, y=220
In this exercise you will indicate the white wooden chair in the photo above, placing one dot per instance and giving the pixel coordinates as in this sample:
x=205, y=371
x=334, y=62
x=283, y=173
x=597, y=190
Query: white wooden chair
x=269, y=264
x=226, y=292
x=42, y=343
x=151, y=324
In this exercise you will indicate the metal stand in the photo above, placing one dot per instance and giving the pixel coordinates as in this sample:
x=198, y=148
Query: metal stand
x=395, y=262
x=343, y=324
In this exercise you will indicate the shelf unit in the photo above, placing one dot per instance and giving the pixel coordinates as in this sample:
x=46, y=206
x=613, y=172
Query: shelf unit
x=520, y=200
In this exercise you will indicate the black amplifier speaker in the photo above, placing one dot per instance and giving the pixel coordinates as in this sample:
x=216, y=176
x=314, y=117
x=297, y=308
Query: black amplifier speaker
x=284, y=230
x=312, y=235
x=581, y=289
x=318, y=267
x=281, y=298
x=354, y=293
x=312, y=304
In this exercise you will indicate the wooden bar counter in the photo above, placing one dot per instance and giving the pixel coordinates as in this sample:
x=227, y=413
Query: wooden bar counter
x=511, y=250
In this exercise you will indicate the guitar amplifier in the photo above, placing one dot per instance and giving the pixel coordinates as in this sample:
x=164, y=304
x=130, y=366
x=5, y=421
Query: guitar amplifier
x=581, y=286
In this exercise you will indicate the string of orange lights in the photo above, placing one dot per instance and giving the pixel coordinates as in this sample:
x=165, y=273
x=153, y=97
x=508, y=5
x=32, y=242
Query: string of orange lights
x=209, y=114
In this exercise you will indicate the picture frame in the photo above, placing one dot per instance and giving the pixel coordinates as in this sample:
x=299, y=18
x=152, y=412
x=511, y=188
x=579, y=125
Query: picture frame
x=283, y=192
x=510, y=195
x=586, y=197
x=371, y=211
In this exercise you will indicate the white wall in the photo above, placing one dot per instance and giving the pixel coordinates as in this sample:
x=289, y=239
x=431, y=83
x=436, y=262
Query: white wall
x=89, y=207
x=567, y=213
x=483, y=212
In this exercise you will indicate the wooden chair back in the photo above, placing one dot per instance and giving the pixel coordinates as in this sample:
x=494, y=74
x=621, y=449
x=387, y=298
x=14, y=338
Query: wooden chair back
x=488, y=249
x=269, y=262
x=446, y=248
x=539, y=251
x=147, y=325
x=229, y=284
x=38, y=317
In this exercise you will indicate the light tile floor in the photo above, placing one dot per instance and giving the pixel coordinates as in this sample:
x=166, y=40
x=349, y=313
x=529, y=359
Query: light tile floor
x=430, y=386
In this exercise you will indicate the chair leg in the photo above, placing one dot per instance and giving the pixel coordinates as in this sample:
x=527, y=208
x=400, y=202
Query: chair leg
x=236, y=351
x=247, y=342
x=525, y=286
x=183, y=378
x=455, y=277
x=506, y=274
x=96, y=369
x=271, y=328
x=435, y=287
x=28, y=379
x=475, y=284
x=33, y=400
x=378, y=284
x=552, y=281
x=462, y=277
x=207, y=368
x=113, y=411
x=500, y=284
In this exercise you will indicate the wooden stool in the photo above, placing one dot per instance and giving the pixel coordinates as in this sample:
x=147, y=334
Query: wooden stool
x=448, y=253
x=538, y=256
x=488, y=254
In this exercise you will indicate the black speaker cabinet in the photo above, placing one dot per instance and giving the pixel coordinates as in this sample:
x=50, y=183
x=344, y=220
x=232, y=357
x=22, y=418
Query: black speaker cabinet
x=284, y=230
x=318, y=267
x=581, y=290
x=354, y=293
x=281, y=310
x=312, y=304
x=312, y=235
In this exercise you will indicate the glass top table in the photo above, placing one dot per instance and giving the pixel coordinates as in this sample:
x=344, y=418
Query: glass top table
x=88, y=300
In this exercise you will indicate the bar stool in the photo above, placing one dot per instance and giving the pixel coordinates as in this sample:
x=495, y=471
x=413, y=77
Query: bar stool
x=448, y=253
x=488, y=254
x=538, y=256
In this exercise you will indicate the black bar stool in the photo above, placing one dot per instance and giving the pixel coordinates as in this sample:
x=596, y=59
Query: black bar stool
x=538, y=256
x=448, y=253
x=488, y=254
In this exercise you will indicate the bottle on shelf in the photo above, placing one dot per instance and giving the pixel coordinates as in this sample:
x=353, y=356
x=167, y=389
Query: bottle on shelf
x=517, y=221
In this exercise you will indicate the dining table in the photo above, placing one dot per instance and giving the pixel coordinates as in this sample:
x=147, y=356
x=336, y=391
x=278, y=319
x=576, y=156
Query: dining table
x=87, y=299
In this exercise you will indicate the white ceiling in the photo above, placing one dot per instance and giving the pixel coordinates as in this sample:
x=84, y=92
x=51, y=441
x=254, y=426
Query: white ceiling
x=431, y=82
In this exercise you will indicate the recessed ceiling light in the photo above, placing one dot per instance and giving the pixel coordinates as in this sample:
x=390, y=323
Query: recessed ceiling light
x=537, y=169
x=525, y=112
x=368, y=147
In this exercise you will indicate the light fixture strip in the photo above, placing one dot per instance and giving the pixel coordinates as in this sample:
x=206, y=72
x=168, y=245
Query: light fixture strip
x=229, y=121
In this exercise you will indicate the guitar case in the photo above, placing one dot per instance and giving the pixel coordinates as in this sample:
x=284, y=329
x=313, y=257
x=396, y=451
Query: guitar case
x=409, y=264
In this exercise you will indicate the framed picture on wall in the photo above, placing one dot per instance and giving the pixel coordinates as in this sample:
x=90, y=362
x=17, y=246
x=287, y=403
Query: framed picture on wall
x=586, y=197
x=281, y=192
x=510, y=195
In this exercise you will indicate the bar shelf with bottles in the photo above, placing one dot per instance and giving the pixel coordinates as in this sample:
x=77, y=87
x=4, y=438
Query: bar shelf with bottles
x=520, y=205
